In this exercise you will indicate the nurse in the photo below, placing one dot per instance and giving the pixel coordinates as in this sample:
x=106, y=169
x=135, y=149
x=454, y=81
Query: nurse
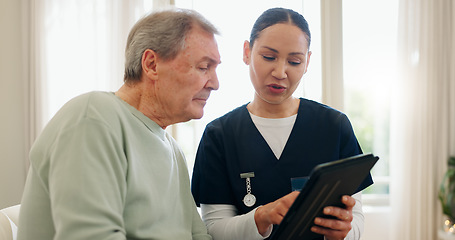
x=248, y=158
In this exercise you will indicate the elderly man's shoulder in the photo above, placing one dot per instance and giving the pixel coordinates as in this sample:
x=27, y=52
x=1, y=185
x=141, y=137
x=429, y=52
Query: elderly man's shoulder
x=95, y=99
x=92, y=105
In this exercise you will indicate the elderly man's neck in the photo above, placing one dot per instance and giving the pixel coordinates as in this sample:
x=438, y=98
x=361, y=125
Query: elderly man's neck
x=141, y=98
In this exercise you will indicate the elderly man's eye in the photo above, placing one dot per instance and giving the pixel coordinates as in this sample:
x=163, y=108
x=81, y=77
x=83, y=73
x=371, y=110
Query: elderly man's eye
x=203, y=67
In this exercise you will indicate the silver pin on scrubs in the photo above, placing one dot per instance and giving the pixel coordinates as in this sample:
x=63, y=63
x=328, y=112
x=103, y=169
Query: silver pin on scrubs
x=249, y=200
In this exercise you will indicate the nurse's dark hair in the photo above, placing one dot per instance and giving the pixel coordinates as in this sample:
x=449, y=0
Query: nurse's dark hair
x=274, y=16
x=163, y=32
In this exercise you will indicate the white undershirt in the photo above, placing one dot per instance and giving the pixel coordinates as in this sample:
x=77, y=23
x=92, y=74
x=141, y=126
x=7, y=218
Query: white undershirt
x=275, y=131
x=222, y=220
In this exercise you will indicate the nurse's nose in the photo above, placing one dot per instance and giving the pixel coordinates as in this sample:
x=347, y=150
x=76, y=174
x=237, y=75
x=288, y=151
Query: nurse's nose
x=279, y=71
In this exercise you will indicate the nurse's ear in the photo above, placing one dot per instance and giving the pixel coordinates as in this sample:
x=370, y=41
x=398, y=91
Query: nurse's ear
x=246, y=52
x=307, y=61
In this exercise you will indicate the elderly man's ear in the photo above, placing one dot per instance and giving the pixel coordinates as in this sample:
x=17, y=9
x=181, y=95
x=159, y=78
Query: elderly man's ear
x=149, y=59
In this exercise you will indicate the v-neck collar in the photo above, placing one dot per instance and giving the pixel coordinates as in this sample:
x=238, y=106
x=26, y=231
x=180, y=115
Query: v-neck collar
x=258, y=136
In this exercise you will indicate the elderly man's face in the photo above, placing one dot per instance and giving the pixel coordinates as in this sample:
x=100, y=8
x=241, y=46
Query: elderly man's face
x=186, y=81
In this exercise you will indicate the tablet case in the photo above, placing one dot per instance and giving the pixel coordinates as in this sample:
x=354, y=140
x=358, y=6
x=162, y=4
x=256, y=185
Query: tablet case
x=327, y=183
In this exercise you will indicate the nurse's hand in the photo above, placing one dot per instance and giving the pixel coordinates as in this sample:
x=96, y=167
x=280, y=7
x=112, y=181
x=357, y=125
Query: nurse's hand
x=335, y=229
x=273, y=213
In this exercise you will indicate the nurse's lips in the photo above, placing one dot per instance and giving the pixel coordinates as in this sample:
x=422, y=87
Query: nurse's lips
x=275, y=88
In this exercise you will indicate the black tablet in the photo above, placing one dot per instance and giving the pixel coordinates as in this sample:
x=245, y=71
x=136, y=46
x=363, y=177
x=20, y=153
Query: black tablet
x=327, y=183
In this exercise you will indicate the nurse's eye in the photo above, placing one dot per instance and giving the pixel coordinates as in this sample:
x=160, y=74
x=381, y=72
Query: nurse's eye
x=294, y=63
x=268, y=58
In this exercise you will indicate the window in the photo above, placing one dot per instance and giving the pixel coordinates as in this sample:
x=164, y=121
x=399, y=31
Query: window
x=82, y=48
x=369, y=62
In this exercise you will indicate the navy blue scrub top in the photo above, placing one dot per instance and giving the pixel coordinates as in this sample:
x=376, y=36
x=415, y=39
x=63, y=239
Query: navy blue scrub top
x=232, y=145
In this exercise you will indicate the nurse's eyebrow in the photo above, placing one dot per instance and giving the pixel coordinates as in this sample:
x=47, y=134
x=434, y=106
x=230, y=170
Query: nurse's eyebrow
x=271, y=49
x=276, y=51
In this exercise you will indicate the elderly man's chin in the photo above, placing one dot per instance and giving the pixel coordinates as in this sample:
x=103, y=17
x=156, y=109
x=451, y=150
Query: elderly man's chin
x=197, y=110
x=200, y=114
x=199, y=107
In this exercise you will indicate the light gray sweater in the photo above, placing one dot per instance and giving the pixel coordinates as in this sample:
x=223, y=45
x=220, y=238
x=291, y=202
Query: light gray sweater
x=103, y=170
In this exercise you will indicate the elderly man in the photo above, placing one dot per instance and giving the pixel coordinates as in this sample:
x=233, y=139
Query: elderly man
x=104, y=167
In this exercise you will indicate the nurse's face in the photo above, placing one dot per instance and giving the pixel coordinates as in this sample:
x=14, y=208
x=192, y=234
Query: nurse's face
x=277, y=61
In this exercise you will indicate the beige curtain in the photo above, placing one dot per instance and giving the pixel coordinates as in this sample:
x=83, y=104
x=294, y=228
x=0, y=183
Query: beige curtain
x=422, y=121
x=74, y=46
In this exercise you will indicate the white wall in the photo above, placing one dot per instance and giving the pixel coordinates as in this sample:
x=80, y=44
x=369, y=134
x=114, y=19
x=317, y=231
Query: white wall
x=13, y=103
